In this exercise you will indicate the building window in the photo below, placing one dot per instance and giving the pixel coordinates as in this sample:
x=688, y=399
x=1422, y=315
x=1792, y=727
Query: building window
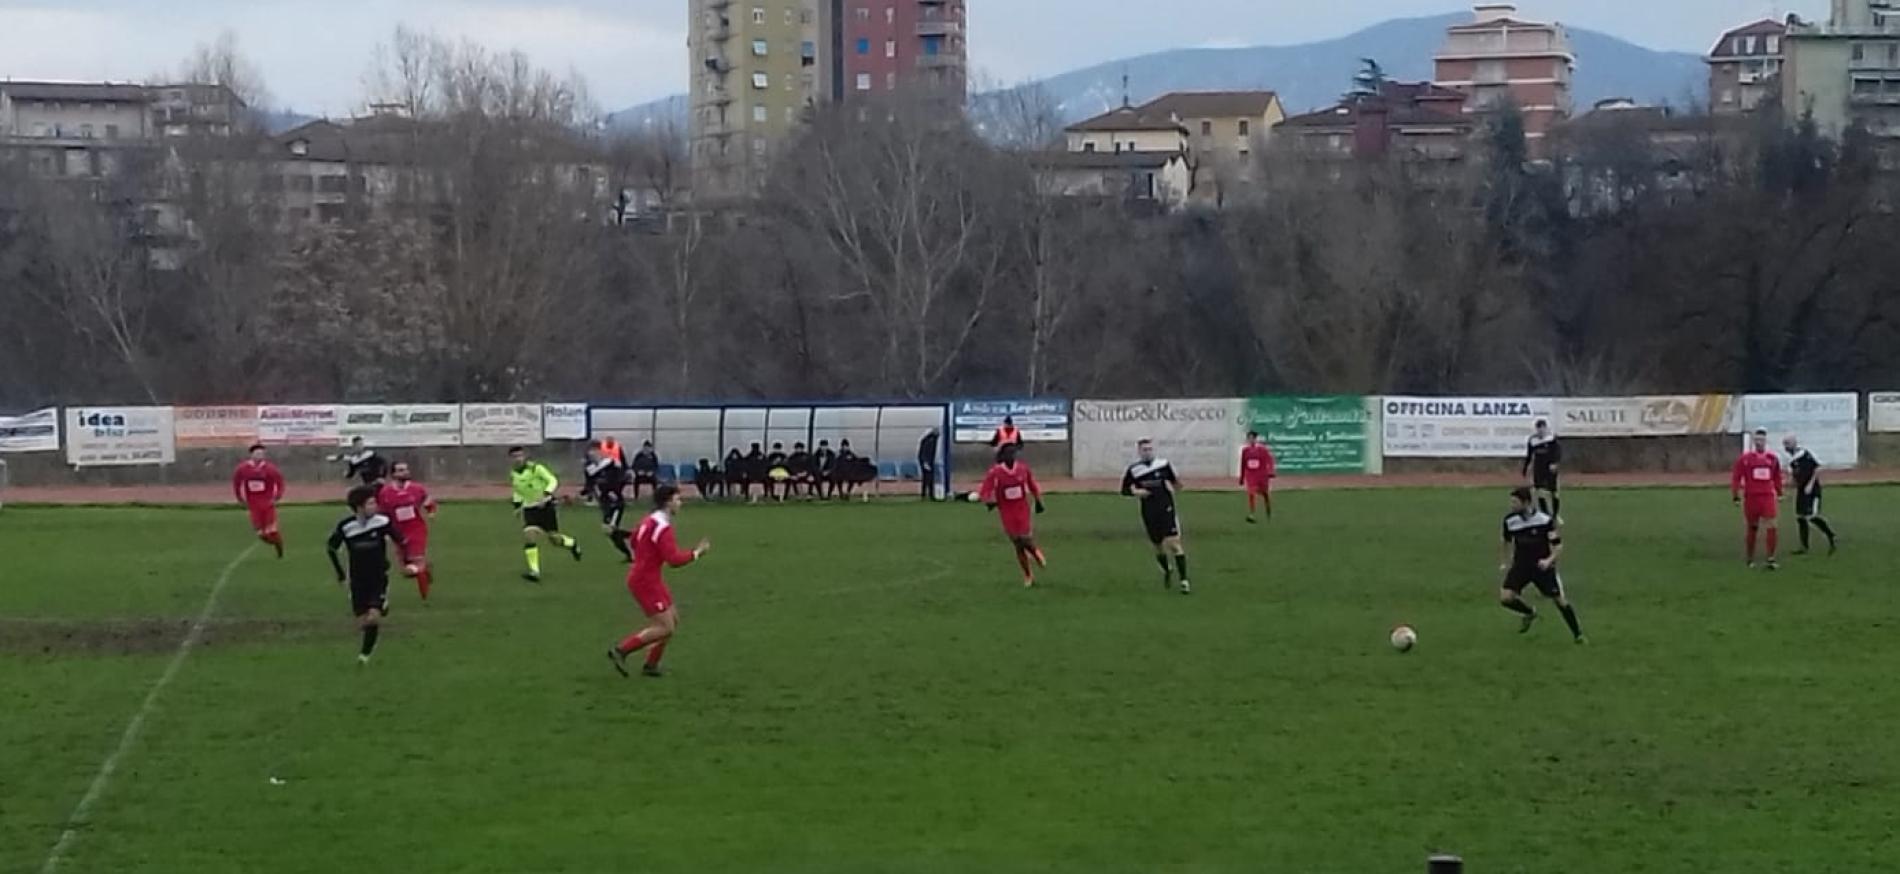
x=1245, y=128
x=761, y=81
x=890, y=14
x=890, y=48
x=864, y=46
x=758, y=15
x=790, y=16
x=1860, y=52
x=759, y=114
x=1893, y=55
x=890, y=81
x=864, y=81
x=791, y=115
x=1088, y=147
x=758, y=148
x=864, y=13
x=112, y=132
x=1774, y=45
x=791, y=83
x=85, y=131
x=759, y=48
x=1748, y=45
x=1207, y=128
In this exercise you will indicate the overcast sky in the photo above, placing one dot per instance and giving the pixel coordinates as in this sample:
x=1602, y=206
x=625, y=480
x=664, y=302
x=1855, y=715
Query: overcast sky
x=314, y=52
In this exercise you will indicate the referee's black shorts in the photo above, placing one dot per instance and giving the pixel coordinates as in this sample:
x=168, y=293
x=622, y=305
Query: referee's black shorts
x=544, y=517
x=1544, y=480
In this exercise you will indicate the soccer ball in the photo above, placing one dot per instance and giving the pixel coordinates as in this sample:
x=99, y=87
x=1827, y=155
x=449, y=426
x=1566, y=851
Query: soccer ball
x=1404, y=638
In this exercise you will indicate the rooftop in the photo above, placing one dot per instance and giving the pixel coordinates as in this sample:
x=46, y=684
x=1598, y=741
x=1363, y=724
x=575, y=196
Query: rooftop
x=76, y=92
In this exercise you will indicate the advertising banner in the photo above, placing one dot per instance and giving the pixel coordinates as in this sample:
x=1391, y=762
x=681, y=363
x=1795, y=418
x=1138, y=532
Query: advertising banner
x=37, y=431
x=1828, y=425
x=214, y=427
x=1322, y=434
x=401, y=425
x=1461, y=427
x=501, y=424
x=1200, y=437
x=292, y=425
x=1652, y=416
x=119, y=436
x=1883, y=412
x=1040, y=421
x=564, y=421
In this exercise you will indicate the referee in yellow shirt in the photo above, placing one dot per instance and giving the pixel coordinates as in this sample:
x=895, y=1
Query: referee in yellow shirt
x=534, y=486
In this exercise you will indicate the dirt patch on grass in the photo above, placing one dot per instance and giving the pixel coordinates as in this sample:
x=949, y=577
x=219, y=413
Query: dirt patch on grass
x=62, y=637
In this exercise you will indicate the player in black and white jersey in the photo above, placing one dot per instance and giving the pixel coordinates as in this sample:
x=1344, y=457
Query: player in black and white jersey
x=367, y=534
x=1153, y=481
x=1532, y=546
x=362, y=463
x=1541, y=458
x=606, y=485
x=1805, y=470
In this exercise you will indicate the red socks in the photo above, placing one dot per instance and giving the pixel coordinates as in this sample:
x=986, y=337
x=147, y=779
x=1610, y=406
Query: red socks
x=632, y=644
x=422, y=583
x=1752, y=532
x=1022, y=558
x=276, y=541
x=654, y=654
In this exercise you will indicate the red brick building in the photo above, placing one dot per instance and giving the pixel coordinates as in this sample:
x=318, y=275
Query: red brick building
x=1499, y=58
x=881, y=46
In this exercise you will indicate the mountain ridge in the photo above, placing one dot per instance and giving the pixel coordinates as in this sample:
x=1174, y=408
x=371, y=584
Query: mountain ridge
x=1312, y=75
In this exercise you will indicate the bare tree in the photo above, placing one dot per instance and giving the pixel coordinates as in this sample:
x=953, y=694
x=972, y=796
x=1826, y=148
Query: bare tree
x=910, y=204
x=222, y=62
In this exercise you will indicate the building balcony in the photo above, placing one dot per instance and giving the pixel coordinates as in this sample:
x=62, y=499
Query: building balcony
x=938, y=27
x=939, y=62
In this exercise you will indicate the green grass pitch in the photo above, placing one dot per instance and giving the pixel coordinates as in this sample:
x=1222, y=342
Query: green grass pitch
x=869, y=688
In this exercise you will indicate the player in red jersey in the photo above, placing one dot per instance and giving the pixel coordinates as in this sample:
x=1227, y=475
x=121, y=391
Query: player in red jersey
x=1008, y=489
x=259, y=485
x=1257, y=470
x=655, y=549
x=1756, y=485
x=409, y=508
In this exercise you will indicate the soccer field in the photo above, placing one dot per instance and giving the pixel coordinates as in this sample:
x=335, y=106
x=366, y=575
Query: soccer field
x=869, y=688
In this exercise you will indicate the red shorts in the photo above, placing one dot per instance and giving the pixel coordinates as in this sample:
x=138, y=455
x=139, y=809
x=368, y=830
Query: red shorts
x=1018, y=523
x=1758, y=508
x=415, y=546
x=653, y=598
x=263, y=516
x=1259, y=486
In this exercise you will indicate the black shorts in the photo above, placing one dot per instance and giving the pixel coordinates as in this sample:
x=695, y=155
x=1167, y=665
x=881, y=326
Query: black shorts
x=1161, y=523
x=1544, y=480
x=1807, y=506
x=613, y=508
x=369, y=593
x=1548, y=582
x=544, y=517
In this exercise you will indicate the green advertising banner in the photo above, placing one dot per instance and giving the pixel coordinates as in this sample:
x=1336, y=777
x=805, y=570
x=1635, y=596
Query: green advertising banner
x=1325, y=434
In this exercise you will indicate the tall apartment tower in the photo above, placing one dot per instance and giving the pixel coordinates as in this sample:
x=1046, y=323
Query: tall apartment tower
x=1846, y=72
x=757, y=69
x=1498, y=57
x=888, y=45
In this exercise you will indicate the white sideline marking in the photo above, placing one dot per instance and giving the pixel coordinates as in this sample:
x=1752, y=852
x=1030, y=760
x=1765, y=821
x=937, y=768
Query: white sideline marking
x=83, y=810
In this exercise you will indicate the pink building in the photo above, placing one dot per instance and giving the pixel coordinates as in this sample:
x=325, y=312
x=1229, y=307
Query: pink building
x=1500, y=58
